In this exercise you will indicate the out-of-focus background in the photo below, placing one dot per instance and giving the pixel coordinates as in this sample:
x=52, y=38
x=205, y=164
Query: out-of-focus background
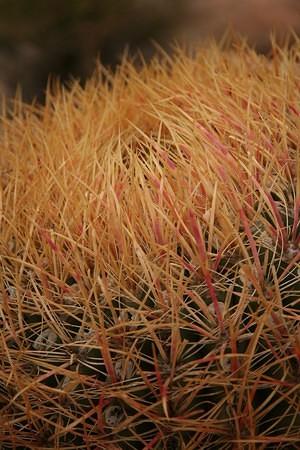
x=64, y=37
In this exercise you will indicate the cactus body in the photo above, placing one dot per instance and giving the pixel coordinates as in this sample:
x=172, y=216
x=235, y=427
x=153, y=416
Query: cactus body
x=150, y=262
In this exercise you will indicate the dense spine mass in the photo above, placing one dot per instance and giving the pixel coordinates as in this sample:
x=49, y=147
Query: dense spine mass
x=150, y=258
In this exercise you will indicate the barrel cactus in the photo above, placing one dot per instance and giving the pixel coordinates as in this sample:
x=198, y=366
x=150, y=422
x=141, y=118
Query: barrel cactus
x=150, y=257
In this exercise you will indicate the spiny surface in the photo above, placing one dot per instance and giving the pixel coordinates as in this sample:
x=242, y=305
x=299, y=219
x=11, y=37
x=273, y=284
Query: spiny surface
x=150, y=261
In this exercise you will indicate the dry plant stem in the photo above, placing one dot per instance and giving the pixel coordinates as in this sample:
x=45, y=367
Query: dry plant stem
x=150, y=260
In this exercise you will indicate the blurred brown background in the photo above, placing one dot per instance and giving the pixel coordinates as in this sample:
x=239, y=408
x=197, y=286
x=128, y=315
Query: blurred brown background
x=64, y=37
